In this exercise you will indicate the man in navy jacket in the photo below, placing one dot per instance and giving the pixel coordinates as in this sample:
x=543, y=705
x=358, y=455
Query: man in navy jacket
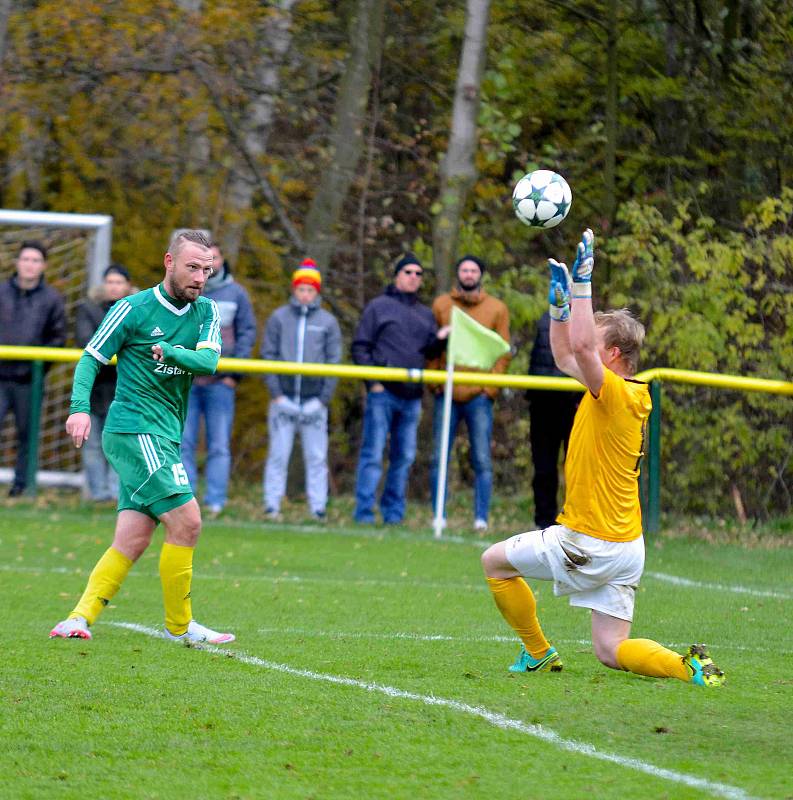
x=395, y=330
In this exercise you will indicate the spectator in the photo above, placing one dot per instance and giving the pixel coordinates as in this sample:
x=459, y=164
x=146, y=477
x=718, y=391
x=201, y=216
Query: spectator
x=473, y=404
x=551, y=419
x=212, y=396
x=302, y=332
x=395, y=330
x=31, y=313
x=101, y=479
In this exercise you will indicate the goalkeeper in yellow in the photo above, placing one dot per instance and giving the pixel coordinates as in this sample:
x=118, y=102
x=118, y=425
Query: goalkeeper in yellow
x=162, y=337
x=595, y=552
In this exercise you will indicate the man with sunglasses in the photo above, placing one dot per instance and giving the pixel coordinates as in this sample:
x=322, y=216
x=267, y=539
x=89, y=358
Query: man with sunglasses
x=395, y=330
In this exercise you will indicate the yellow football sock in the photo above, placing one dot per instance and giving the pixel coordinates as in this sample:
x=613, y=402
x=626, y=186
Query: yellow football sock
x=646, y=657
x=517, y=605
x=176, y=576
x=103, y=583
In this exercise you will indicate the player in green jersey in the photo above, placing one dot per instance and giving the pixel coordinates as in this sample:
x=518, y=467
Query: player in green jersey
x=162, y=337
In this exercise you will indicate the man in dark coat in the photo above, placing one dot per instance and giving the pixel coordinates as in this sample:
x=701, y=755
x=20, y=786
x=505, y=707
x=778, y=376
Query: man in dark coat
x=31, y=313
x=101, y=480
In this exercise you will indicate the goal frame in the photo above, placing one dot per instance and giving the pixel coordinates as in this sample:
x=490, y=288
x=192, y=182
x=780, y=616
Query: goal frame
x=98, y=258
x=100, y=224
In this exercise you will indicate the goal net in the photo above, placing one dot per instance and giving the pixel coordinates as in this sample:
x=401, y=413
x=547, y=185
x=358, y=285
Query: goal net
x=78, y=248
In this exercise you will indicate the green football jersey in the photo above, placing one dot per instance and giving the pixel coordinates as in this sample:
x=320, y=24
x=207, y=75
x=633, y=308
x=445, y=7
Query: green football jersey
x=151, y=396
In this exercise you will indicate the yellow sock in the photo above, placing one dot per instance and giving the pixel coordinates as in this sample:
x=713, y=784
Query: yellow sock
x=103, y=583
x=517, y=605
x=176, y=576
x=646, y=657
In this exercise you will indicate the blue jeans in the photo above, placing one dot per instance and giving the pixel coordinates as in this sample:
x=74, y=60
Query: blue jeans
x=478, y=416
x=216, y=403
x=386, y=414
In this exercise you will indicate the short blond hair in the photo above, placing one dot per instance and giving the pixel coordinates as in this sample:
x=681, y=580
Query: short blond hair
x=621, y=329
x=182, y=235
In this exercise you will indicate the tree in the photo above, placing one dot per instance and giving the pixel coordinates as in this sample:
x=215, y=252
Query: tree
x=347, y=135
x=458, y=169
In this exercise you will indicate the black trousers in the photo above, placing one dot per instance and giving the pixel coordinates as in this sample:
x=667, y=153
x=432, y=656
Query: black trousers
x=15, y=397
x=551, y=418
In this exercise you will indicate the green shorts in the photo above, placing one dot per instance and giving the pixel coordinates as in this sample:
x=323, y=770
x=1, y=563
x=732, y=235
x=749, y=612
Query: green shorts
x=151, y=477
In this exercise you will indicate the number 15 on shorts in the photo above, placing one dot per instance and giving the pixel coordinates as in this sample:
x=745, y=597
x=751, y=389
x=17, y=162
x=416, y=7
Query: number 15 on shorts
x=180, y=475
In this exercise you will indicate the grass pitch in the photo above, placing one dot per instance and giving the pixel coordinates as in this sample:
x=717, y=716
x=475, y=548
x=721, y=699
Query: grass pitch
x=372, y=663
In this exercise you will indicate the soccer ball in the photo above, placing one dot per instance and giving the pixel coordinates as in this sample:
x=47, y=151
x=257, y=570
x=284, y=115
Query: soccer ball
x=542, y=199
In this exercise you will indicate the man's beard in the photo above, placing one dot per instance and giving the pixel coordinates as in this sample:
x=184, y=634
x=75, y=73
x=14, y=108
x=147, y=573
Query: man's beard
x=472, y=288
x=181, y=294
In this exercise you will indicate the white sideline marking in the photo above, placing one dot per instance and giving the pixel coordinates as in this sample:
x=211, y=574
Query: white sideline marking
x=418, y=637
x=476, y=587
x=494, y=718
x=406, y=583
x=720, y=587
x=442, y=637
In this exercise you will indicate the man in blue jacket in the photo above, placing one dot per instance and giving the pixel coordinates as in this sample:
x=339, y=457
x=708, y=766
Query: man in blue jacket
x=395, y=330
x=31, y=313
x=303, y=332
x=213, y=396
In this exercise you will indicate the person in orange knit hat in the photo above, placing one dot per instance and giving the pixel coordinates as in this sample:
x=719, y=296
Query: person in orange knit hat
x=473, y=404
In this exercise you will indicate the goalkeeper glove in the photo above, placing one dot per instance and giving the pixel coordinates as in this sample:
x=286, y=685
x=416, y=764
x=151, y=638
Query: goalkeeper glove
x=583, y=265
x=559, y=292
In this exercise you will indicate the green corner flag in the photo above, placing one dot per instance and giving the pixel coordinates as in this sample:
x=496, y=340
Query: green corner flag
x=472, y=344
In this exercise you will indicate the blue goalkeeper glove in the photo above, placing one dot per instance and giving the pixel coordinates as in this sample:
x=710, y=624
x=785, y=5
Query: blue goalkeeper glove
x=583, y=265
x=559, y=291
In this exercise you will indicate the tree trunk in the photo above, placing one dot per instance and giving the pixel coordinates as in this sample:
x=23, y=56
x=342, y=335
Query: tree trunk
x=458, y=170
x=254, y=130
x=610, y=165
x=5, y=13
x=347, y=135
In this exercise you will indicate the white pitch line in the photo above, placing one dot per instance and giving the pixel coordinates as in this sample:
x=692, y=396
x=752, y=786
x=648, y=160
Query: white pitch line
x=495, y=718
x=475, y=587
x=720, y=587
x=199, y=576
x=417, y=637
x=442, y=637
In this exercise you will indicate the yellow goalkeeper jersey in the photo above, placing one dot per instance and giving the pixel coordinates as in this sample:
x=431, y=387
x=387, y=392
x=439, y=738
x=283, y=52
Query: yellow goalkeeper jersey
x=602, y=464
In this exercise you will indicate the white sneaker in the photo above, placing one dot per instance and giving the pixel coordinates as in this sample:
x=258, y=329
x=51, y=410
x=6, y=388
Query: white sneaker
x=72, y=628
x=198, y=634
x=480, y=524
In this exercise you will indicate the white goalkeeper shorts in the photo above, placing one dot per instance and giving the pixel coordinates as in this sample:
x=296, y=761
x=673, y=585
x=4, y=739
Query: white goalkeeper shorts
x=595, y=573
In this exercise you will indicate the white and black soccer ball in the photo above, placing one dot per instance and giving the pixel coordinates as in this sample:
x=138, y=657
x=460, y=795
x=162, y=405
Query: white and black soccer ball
x=542, y=199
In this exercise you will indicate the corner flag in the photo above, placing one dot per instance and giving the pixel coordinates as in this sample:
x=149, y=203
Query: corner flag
x=473, y=344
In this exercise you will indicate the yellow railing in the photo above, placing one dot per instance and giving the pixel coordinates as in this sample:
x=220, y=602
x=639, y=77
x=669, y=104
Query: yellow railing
x=252, y=365
x=654, y=377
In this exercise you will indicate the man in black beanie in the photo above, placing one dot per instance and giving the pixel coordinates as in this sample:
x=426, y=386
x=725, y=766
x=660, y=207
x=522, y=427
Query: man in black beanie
x=395, y=330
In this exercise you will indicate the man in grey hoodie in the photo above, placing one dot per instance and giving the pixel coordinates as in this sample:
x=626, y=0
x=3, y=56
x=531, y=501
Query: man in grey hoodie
x=213, y=396
x=300, y=331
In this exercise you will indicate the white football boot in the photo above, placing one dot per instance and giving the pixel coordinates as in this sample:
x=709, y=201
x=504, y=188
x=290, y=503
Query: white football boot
x=200, y=634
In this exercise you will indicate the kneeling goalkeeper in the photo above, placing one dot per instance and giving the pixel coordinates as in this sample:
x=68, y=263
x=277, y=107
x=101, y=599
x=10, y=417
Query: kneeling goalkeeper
x=595, y=554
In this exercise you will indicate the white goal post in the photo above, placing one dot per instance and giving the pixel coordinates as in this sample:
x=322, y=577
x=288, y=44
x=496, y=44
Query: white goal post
x=79, y=246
